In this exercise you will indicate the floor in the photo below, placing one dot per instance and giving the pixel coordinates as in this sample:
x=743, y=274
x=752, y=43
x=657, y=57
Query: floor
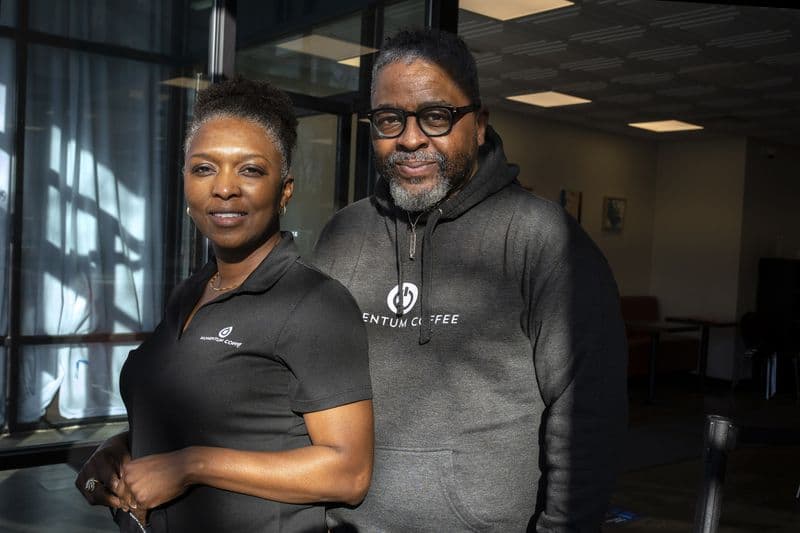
x=659, y=488
x=656, y=492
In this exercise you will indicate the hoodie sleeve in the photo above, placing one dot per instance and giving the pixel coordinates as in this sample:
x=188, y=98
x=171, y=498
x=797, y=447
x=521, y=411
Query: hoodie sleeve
x=580, y=358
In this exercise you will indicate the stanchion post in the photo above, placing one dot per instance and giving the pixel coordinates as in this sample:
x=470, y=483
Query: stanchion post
x=719, y=439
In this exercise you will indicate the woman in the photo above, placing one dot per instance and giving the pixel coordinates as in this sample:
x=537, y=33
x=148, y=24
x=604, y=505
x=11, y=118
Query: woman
x=249, y=406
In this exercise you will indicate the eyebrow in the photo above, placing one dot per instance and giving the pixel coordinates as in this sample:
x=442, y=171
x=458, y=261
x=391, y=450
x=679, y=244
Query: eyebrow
x=244, y=157
x=423, y=105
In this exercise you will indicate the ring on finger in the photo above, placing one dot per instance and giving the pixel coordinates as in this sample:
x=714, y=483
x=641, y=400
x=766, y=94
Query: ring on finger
x=90, y=485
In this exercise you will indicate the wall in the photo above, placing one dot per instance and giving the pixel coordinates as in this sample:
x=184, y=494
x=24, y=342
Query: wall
x=697, y=232
x=771, y=216
x=554, y=156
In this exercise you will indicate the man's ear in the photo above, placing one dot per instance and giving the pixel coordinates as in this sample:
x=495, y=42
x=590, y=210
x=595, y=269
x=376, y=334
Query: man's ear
x=482, y=121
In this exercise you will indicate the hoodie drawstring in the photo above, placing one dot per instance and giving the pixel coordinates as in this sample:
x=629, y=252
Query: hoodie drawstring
x=399, y=306
x=425, y=327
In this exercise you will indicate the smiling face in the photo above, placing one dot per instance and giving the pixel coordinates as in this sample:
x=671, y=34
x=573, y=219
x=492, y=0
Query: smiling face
x=423, y=170
x=233, y=186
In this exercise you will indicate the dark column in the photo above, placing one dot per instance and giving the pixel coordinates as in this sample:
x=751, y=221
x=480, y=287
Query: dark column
x=442, y=14
x=13, y=352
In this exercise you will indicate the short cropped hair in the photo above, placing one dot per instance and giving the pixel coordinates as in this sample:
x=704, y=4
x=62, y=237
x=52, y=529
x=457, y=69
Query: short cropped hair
x=447, y=51
x=256, y=101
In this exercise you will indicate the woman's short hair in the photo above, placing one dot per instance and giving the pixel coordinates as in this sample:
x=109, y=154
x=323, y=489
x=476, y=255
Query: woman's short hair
x=256, y=101
x=446, y=50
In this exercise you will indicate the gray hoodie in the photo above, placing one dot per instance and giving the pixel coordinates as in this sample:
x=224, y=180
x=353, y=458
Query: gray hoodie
x=497, y=355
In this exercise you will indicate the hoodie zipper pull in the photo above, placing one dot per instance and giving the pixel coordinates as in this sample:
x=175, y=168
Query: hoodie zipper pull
x=412, y=239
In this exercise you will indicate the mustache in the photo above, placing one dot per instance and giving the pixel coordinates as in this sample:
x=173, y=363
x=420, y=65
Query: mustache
x=419, y=155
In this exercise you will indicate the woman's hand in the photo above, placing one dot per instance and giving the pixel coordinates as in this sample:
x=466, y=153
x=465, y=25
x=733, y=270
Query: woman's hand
x=156, y=479
x=104, y=467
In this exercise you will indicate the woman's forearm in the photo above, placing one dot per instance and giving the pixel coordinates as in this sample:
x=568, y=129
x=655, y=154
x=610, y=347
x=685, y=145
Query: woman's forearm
x=304, y=475
x=337, y=466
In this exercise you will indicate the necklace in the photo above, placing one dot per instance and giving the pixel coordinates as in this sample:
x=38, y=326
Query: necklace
x=215, y=280
x=412, y=241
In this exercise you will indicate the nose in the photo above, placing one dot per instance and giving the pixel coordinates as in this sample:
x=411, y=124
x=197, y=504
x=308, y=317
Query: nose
x=226, y=184
x=412, y=138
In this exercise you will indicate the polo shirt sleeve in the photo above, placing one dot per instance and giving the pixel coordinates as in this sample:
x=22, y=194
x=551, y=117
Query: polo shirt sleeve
x=324, y=345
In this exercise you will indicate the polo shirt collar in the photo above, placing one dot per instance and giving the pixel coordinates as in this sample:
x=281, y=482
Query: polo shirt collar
x=266, y=274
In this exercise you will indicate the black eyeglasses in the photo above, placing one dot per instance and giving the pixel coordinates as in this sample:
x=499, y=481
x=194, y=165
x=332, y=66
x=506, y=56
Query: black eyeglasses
x=434, y=121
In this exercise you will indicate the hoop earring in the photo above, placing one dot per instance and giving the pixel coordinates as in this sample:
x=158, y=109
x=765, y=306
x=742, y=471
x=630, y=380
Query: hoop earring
x=283, y=210
x=188, y=211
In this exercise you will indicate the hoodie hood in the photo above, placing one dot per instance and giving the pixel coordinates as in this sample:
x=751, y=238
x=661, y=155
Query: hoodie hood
x=493, y=174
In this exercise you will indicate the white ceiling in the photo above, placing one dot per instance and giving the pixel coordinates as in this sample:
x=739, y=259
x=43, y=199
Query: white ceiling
x=733, y=69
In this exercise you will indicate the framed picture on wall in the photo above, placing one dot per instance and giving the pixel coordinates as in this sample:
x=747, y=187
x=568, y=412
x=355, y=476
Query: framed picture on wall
x=571, y=202
x=613, y=214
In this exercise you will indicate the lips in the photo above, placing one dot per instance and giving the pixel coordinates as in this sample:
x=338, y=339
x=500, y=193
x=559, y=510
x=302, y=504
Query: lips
x=227, y=218
x=414, y=165
x=415, y=169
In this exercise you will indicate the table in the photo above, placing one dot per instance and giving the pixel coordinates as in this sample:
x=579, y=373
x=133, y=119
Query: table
x=655, y=329
x=705, y=324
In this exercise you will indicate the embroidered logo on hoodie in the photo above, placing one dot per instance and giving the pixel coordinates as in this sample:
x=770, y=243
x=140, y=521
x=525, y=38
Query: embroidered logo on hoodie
x=407, y=299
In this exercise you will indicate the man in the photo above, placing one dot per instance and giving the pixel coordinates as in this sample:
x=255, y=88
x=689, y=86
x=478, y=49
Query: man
x=497, y=349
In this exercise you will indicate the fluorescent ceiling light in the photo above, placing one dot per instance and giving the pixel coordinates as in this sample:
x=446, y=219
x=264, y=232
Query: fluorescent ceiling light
x=511, y=9
x=327, y=47
x=351, y=62
x=548, y=99
x=661, y=126
x=186, y=83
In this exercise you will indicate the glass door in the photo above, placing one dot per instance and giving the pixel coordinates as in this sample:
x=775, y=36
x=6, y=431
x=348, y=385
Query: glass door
x=323, y=59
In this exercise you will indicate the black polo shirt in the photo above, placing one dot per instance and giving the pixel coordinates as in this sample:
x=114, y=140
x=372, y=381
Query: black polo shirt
x=289, y=340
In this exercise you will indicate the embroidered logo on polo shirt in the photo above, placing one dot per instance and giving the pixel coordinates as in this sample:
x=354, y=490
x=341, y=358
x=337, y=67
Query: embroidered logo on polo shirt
x=222, y=337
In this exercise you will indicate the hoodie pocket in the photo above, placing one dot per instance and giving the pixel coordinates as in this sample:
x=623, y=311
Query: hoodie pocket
x=415, y=489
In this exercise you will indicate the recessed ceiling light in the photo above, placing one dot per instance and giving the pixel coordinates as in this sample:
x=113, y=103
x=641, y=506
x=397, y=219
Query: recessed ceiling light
x=661, y=126
x=351, y=62
x=327, y=47
x=548, y=99
x=511, y=9
x=186, y=83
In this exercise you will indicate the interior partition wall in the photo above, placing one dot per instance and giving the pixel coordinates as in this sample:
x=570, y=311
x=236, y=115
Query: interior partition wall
x=321, y=54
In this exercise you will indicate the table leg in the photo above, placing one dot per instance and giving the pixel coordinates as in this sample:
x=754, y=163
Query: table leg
x=651, y=376
x=704, y=337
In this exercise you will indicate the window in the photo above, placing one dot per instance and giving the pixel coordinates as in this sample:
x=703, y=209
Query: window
x=94, y=223
x=98, y=233
x=8, y=13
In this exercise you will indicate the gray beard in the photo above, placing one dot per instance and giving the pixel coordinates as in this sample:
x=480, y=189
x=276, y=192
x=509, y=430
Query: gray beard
x=453, y=172
x=421, y=201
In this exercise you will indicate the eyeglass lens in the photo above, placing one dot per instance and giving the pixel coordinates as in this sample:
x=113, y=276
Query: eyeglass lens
x=431, y=120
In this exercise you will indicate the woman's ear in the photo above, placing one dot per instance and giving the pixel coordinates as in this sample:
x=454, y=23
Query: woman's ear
x=287, y=190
